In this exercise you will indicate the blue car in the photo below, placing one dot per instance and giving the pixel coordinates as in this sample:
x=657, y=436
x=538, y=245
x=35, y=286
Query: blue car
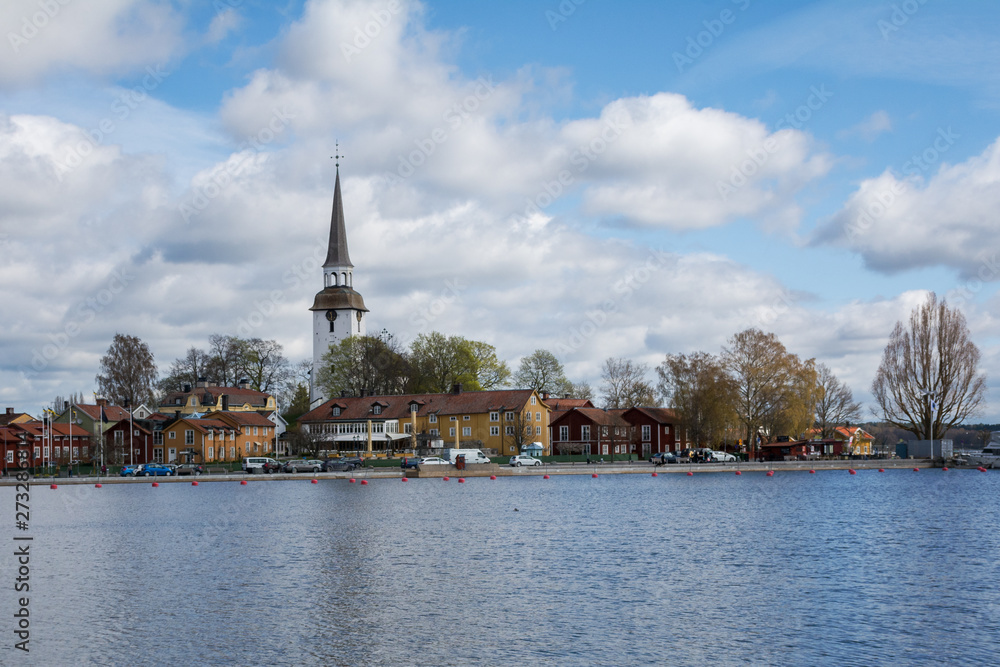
x=130, y=470
x=156, y=469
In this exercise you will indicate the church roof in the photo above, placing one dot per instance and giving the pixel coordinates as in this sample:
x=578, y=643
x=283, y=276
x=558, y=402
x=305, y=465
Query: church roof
x=338, y=298
x=336, y=254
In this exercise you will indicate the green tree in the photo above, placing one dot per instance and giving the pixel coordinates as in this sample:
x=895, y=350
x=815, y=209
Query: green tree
x=542, y=372
x=128, y=372
x=364, y=364
x=299, y=404
x=439, y=362
x=698, y=389
x=491, y=372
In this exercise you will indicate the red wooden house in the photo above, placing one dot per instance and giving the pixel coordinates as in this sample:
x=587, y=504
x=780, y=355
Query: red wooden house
x=655, y=431
x=591, y=431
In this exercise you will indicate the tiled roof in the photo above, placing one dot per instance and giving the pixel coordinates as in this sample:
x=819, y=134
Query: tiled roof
x=8, y=417
x=563, y=404
x=598, y=416
x=660, y=415
x=211, y=395
x=244, y=418
x=398, y=407
x=112, y=412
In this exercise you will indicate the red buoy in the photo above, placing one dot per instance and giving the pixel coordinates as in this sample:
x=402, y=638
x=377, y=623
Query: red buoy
x=654, y=474
x=97, y=486
x=545, y=476
x=444, y=478
x=594, y=475
x=194, y=483
x=493, y=476
x=316, y=481
x=945, y=469
x=738, y=472
x=461, y=480
x=404, y=480
x=852, y=471
x=980, y=469
x=353, y=480
x=156, y=483
x=690, y=474
x=916, y=470
x=364, y=481
x=243, y=482
x=812, y=472
x=770, y=473
x=881, y=469
x=53, y=486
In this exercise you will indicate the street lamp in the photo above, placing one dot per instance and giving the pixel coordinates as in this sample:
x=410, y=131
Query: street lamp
x=931, y=406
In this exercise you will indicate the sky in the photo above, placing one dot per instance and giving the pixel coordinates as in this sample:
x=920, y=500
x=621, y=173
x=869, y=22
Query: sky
x=597, y=179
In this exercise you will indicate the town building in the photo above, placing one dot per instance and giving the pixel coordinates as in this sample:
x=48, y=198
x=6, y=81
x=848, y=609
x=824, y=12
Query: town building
x=501, y=421
x=639, y=431
x=204, y=398
x=338, y=310
x=11, y=417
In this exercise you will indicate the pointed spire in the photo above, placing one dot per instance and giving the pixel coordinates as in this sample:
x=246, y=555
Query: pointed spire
x=336, y=254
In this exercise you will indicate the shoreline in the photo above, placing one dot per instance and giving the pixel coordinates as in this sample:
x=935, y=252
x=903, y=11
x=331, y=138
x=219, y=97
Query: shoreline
x=490, y=469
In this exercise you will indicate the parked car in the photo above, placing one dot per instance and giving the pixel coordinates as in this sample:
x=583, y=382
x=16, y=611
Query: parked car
x=409, y=462
x=524, y=460
x=299, y=465
x=337, y=465
x=157, y=470
x=130, y=470
x=724, y=457
x=356, y=461
x=661, y=458
x=189, y=469
x=270, y=466
x=433, y=461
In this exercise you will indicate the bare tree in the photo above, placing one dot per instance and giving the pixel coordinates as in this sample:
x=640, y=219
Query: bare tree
x=929, y=378
x=128, y=371
x=542, y=372
x=624, y=384
x=836, y=404
x=581, y=390
x=360, y=364
x=263, y=364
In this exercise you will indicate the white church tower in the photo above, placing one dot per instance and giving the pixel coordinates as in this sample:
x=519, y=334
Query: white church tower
x=338, y=311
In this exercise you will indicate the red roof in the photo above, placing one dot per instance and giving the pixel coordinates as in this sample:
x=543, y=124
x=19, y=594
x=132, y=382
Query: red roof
x=211, y=395
x=244, y=418
x=114, y=413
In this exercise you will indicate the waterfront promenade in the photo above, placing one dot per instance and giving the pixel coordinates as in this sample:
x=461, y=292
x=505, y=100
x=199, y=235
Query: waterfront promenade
x=487, y=470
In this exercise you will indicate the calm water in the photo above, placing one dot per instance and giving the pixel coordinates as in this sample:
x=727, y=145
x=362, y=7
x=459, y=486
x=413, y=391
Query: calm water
x=798, y=569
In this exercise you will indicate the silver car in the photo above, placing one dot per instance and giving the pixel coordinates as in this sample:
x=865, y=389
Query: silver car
x=300, y=465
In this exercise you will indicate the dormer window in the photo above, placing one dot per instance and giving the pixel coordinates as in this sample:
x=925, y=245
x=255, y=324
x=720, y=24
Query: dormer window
x=377, y=409
x=414, y=407
x=336, y=411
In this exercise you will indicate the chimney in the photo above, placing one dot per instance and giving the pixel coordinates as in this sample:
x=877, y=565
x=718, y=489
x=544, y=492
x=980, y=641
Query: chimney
x=102, y=402
x=10, y=411
x=187, y=389
x=225, y=402
x=65, y=405
x=545, y=395
x=244, y=383
x=456, y=388
x=202, y=382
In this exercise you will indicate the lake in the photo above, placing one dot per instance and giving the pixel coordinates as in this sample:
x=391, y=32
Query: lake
x=894, y=568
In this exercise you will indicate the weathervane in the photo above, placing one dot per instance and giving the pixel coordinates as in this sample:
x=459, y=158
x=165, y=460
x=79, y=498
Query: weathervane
x=336, y=156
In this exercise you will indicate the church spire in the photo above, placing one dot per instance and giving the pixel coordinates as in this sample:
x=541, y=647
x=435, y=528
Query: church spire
x=336, y=254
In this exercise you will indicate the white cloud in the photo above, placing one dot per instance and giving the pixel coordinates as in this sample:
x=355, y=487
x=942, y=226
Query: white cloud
x=111, y=36
x=896, y=223
x=870, y=128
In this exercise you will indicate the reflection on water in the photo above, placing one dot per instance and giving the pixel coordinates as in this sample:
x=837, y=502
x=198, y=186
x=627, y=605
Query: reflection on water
x=892, y=568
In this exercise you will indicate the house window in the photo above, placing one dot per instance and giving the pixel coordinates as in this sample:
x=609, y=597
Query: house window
x=211, y=453
x=10, y=456
x=76, y=452
x=414, y=407
x=564, y=433
x=466, y=418
x=466, y=431
x=509, y=430
x=527, y=416
x=494, y=416
x=232, y=452
x=509, y=416
x=211, y=435
x=158, y=437
x=119, y=438
x=494, y=430
x=158, y=454
x=435, y=432
x=666, y=430
x=136, y=433
x=377, y=409
x=538, y=416
x=451, y=431
x=255, y=431
x=585, y=432
x=646, y=434
x=538, y=430
x=173, y=435
x=534, y=401
x=407, y=427
x=433, y=419
x=604, y=431
x=46, y=452
x=453, y=419
x=336, y=411
x=188, y=437
x=37, y=452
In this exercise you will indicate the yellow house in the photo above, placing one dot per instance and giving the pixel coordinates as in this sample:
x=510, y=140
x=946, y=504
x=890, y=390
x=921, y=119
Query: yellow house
x=204, y=398
x=503, y=420
x=857, y=441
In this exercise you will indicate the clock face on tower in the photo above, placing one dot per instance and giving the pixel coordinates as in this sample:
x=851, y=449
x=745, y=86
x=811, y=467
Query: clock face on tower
x=331, y=315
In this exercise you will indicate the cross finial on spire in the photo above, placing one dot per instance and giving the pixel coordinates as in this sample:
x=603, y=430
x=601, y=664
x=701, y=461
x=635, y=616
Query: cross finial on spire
x=336, y=156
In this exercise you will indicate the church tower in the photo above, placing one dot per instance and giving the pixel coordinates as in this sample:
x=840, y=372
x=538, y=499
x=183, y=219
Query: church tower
x=338, y=311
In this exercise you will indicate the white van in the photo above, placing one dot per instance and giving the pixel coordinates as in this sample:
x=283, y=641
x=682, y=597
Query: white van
x=471, y=455
x=258, y=463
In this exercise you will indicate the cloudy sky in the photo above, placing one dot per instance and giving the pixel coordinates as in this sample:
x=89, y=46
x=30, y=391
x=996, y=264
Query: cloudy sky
x=593, y=178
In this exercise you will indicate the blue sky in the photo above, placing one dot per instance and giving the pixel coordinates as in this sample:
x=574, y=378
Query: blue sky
x=842, y=103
